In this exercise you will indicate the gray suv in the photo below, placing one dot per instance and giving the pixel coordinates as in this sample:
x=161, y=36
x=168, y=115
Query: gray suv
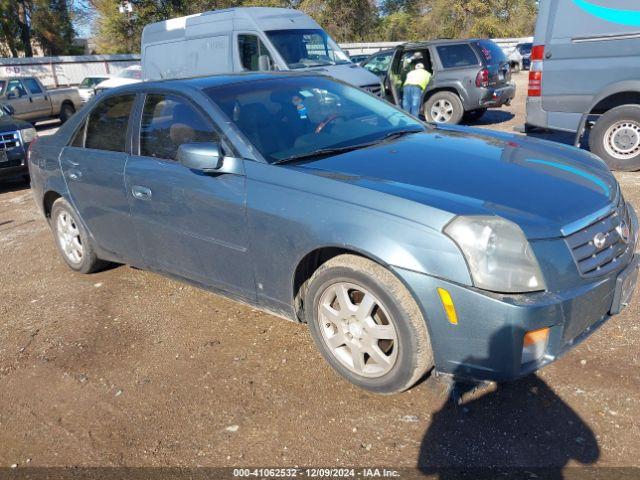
x=469, y=76
x=585, y=76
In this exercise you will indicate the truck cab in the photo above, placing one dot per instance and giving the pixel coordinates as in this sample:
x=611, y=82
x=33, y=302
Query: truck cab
x=245, y=40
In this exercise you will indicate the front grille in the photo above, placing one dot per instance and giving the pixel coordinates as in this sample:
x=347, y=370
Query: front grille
x=595, y=260
x=9, y=140
x=375, y=89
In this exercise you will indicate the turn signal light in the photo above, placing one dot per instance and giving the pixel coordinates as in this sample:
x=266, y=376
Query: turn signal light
x=449, y=307
x=535, y=344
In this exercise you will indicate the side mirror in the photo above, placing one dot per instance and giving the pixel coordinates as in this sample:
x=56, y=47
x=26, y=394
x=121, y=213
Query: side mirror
x=203, y=157
x=13, y=94
x=264, y=63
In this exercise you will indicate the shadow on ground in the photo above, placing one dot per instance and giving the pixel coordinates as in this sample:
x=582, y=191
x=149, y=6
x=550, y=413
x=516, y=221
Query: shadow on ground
x=13, y=184
x=516, y=427
x=492, y=117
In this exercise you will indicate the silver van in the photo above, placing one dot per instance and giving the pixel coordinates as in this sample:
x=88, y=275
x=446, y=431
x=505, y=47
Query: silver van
x=246, y=39
x=585, y=75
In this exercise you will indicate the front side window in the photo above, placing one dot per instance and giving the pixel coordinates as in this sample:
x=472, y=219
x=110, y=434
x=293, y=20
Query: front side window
x=15, y=86
x=457, y=56
x=168, y=122
x=379, y=64
x=108, y=123
x=292, y=117
x=254, y=55
x=32, y=85
x=302, y=48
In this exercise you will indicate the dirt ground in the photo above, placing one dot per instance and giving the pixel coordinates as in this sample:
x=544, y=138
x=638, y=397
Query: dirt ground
x=128, y=368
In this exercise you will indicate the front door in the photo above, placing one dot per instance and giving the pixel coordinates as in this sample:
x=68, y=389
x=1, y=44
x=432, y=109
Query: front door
x=188, y=223
x=18, y=97
x=93, y=167
x=39, y=98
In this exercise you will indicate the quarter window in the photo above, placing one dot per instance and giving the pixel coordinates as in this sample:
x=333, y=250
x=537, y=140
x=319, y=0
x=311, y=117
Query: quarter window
x=168, y=122
x=78, y=139
x=456, y=56
x=108, y=122
x=32, y=85
x=254, y=55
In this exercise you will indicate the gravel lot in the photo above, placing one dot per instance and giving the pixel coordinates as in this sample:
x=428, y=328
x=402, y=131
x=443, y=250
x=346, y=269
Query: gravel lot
x=127, y=368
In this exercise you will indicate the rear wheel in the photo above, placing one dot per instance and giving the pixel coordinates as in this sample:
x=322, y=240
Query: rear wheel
x=367, y=325
x=72, y=239
x=616, y=138
x=66, y=112
x=444, y=107
x=474, y=115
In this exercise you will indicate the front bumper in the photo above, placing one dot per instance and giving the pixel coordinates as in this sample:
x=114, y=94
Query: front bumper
x=16, y=163
x=487, y=342
x=494, y=98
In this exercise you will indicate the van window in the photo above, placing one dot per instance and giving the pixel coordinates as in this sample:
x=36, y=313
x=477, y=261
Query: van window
x=254, y=55
x=302, y=48
x=32, y=85
x=168, y=122
x=456, y=56
x=108, y=122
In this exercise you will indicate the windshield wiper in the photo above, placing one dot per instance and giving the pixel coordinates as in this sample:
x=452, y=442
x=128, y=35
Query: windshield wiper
x=323, y=153
x=401, y=133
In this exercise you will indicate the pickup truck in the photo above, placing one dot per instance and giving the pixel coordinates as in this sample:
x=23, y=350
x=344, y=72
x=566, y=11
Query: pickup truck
x=32, y=102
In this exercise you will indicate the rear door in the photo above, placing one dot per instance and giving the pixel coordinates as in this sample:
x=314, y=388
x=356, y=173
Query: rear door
x=189, y=224
x=40, y=100
x=93, y=167
x=496, y=62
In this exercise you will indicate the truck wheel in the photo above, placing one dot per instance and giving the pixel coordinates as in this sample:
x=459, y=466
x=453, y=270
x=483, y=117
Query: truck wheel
x=444, y=107
x=616, y=138
x=474, y=115
x=66, y=112
x=72, y=239
x=515, y=67
x=367, y=325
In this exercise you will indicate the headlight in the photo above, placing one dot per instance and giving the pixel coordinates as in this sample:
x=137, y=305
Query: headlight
x=499, y=256
x=28, y=134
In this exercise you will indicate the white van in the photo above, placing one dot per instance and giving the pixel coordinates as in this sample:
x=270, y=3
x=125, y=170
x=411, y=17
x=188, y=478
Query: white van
x=246, y=39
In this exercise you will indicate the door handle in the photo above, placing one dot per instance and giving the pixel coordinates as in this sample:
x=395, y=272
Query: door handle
x=74, y=175
x=141, y=193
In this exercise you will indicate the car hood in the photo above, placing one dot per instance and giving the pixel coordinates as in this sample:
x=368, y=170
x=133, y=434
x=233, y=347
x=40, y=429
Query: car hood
x=349, y=73
x=10, y=124
x=541, y=186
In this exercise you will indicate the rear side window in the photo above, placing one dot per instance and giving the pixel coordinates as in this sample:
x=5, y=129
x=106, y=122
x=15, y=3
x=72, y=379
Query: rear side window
x=108, y=122
x=254, y=56
x=32, y=85
x=168, y=122
x=491, y=52
x=456, y=56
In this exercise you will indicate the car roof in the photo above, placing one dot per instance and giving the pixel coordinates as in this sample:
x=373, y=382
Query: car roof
x=446, y=41
x=210, y=81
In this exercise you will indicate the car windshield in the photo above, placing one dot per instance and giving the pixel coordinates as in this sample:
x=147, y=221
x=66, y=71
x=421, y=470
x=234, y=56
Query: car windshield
x=525, y=49
x=302, y=48
x=293, y=118
x=131, y=73
x=91, y=82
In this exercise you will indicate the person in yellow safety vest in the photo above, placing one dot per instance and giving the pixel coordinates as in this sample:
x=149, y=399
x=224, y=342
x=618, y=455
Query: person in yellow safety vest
x=416, y=82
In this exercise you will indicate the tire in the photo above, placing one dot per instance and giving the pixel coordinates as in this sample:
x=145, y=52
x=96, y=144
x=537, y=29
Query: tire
x=474, y=115
x=447, y=105
x=69, y=232
x=515, y=68
x=616, y=138
x=393, y=358
x=66, y=112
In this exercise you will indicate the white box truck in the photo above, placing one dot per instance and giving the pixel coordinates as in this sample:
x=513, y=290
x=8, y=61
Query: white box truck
x=246, y=39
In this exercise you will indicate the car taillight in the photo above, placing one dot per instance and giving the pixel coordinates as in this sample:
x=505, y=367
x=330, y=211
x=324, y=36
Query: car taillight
x=535, y=71
x=482, y=79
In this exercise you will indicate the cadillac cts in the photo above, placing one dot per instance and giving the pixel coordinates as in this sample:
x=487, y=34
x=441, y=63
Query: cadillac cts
x=405, y=247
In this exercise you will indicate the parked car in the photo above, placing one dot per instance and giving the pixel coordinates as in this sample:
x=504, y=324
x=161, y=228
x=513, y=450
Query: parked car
x=401, y=244
x=129, y=75
x=469, y=76
x=246, y=39
x=32, y=102
x=585, y=77
x=378, y=63
x=86, y=89
x=520, y=56
x=15, y=138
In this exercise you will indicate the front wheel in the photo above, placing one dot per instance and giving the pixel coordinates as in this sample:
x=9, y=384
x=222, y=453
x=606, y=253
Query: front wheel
x=444, y=107
x=616, y=138
x=367, y=325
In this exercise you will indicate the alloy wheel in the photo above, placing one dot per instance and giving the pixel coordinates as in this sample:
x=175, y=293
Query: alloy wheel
x=442, y=111
x=69, y=237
